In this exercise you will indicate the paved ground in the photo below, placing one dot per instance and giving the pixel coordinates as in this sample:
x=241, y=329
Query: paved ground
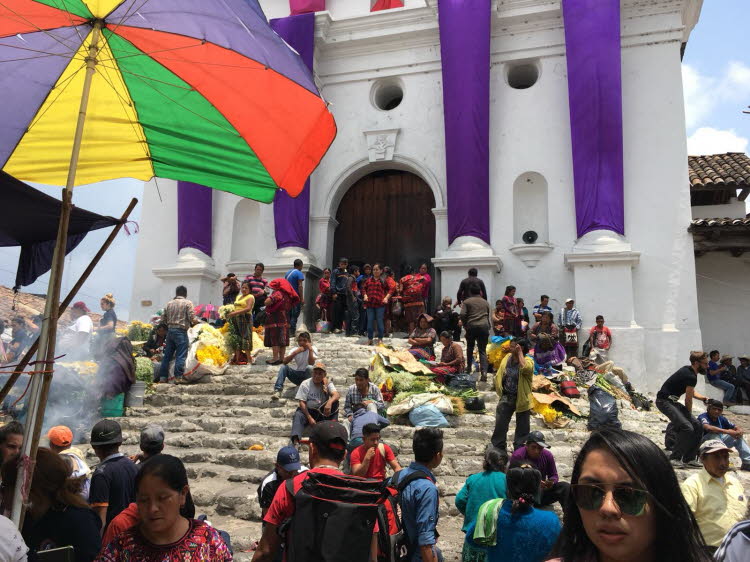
x=212, y=426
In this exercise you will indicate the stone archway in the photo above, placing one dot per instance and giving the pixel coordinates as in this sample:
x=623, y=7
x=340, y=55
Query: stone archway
x=386, y=216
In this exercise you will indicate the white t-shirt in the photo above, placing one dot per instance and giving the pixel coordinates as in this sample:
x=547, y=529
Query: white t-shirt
x=300, y=362
x=12, y=547
x=83, y=324
x=309, y=391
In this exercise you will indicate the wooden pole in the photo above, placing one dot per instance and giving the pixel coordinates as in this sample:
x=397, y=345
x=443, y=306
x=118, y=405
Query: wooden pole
x=40, y=384
x=71, y=295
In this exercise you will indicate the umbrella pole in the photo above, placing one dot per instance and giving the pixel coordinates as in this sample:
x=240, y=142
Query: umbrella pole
x=40, y=384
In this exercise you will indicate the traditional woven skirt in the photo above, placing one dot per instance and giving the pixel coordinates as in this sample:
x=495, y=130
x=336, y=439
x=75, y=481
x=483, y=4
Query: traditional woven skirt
x=412, y=310
x=422, y=353
x=243, y=325
x=276, y=331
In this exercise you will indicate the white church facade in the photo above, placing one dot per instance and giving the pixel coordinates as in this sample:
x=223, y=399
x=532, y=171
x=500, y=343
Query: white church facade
x=387, y=187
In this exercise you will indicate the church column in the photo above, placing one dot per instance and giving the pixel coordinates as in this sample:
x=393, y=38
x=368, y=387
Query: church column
x=465, y=33
x=602, y=259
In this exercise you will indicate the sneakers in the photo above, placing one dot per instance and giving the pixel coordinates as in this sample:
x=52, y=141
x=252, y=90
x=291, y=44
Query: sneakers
x=276, y=395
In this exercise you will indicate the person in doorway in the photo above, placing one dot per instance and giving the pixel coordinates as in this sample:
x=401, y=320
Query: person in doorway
x=600, y=338
x=463, y=288
x=419, y=499
x=60, y=441
x=743, y=377
x=715, y=372
x=11, y=441
x=339, y=279
x=715, y=495
x=369, y=458
x=57, y=515
x=570, y=321
x=512, y=315
x=363, y=392
x=422, y=339
x=361, y=280
x=298, y=365
x=323, y=301
x=318, y=401
x=376, y=297
x=513, y=386
x=258, y=286
x=478, y=489
x=424, y=271
x=541, y=308
x=476, y=316
x=296, y=279
x=353, y=298
x=230, y=288
x=276, y=331
x=628, y=505
x=446, y=320
x=451, y=359
x=113, y=482
x=411, y=286
x=241, y=319
x=689, y=430
x=716, y=426
x=546, y=325
x=76, y=338
x=536, y=451
x=179, y=316
x=287, y=466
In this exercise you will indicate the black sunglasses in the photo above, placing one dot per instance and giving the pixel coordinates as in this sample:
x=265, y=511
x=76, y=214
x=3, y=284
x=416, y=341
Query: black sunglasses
x=631, y=501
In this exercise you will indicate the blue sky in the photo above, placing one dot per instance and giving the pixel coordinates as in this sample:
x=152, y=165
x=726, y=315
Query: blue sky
x=716, y=76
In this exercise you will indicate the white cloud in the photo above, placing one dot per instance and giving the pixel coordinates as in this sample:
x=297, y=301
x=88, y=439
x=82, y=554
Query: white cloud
x=704, y=94
x=708, y=140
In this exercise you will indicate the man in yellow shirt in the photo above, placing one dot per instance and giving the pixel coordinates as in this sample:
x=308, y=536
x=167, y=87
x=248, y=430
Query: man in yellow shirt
x=715, y=495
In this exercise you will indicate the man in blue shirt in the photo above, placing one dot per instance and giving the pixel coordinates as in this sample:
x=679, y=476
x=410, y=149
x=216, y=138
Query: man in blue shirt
x=419, y=500
x=713, y=377
x=716, y=426
x=295, y=278
x=543, y=306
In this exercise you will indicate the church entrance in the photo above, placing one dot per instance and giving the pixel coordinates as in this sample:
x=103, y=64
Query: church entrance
x=387, y=217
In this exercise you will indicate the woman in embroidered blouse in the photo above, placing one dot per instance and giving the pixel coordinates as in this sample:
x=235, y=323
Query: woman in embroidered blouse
x=422, y=339
x=545, y=326
x=511, y=314
x=242, y=324
x=167, y=531
x=451, y=360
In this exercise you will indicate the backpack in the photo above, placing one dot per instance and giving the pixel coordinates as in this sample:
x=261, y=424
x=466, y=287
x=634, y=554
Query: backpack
x=393, y=544
x=334, y=517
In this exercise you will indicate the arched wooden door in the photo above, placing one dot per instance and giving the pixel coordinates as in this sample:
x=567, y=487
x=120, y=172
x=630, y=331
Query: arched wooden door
x=387, y=217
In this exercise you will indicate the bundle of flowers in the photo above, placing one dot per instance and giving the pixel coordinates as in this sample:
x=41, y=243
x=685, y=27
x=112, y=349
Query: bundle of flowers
x=212, y=346
x=211, y=355
x=144, y=369
x=225, y=310
x=139, y=331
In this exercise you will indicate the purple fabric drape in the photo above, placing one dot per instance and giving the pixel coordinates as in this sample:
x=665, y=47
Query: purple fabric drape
x=194, y=217
x=465, y=50
x=592, y=44
x=292, y=214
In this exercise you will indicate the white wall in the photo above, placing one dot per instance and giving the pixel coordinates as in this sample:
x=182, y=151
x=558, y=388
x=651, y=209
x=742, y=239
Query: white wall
x=734, y=209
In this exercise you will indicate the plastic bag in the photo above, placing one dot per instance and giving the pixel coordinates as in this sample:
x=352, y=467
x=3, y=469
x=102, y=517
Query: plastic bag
x=440, y=401
x=461, y=381
x=603, y=409
x=427, y=415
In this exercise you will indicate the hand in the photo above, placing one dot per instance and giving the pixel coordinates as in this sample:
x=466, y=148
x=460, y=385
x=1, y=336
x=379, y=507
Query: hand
x=365, y=298
x=369, y=454
x=335, y=296
x=547, y=484
x=310, y=420
x=739, y=432
x=302, y=302
x=327, y=408
x=385, y=299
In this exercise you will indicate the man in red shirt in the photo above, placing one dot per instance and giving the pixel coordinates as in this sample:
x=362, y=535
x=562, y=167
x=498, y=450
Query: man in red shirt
x=369, y=459
x=327, y=449
x=600, y=338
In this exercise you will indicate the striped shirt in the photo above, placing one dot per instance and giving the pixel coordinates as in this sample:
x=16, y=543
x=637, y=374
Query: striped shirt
x=179, y=313
x=257, y=284
x=353, y=396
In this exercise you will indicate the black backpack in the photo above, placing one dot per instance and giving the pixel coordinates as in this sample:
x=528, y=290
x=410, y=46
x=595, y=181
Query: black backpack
x=395, y=547
x=334, y=518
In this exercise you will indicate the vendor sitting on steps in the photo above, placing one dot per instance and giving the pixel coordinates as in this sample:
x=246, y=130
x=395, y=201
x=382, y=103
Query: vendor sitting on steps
x=298, y=365
x=363, y=392
x=318, y=401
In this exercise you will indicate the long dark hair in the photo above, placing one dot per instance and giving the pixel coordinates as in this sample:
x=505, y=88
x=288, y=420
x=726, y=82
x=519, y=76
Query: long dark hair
x=171, y=470
x=678, y=538
x=494, y=459
x=523, y=482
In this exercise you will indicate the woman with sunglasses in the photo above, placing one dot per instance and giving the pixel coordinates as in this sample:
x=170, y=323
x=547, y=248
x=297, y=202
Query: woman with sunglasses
x=626, y=505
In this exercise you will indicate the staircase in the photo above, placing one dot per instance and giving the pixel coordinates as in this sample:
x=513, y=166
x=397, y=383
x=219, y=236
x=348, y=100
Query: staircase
x=211, y=427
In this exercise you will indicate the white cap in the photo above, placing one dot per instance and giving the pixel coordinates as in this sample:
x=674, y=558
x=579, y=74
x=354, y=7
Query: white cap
x=569, y=300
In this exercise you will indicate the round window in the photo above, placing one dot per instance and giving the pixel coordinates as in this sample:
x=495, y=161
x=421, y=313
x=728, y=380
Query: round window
x=387, y=94
x=523, y=75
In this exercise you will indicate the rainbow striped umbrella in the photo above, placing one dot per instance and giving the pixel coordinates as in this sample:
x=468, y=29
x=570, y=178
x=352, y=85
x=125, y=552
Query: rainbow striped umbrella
x=195, y=90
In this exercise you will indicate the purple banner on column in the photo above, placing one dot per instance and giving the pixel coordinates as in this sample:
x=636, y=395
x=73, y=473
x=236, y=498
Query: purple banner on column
x=292, y=214
x=592, y=44
x=194, y=217
x=465, y=50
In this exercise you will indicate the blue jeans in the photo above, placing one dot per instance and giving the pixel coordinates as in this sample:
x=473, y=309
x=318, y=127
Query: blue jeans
x=727, y=387
x=297, y=377
x=177, y=342
x=736, y=443
x=293, y=317
x=373, y=315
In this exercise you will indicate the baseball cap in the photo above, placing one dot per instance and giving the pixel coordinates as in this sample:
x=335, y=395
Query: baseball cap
x=713, y=446
x=288, y=458
x=60, y=436
x=82, y=306
x=152, y=436
x=330, y=433
x=320, y=365
x=569, y=300
x=106, y=432
x=538, y=438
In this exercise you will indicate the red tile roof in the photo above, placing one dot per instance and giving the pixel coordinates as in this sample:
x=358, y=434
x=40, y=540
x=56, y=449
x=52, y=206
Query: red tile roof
x=721, y=171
